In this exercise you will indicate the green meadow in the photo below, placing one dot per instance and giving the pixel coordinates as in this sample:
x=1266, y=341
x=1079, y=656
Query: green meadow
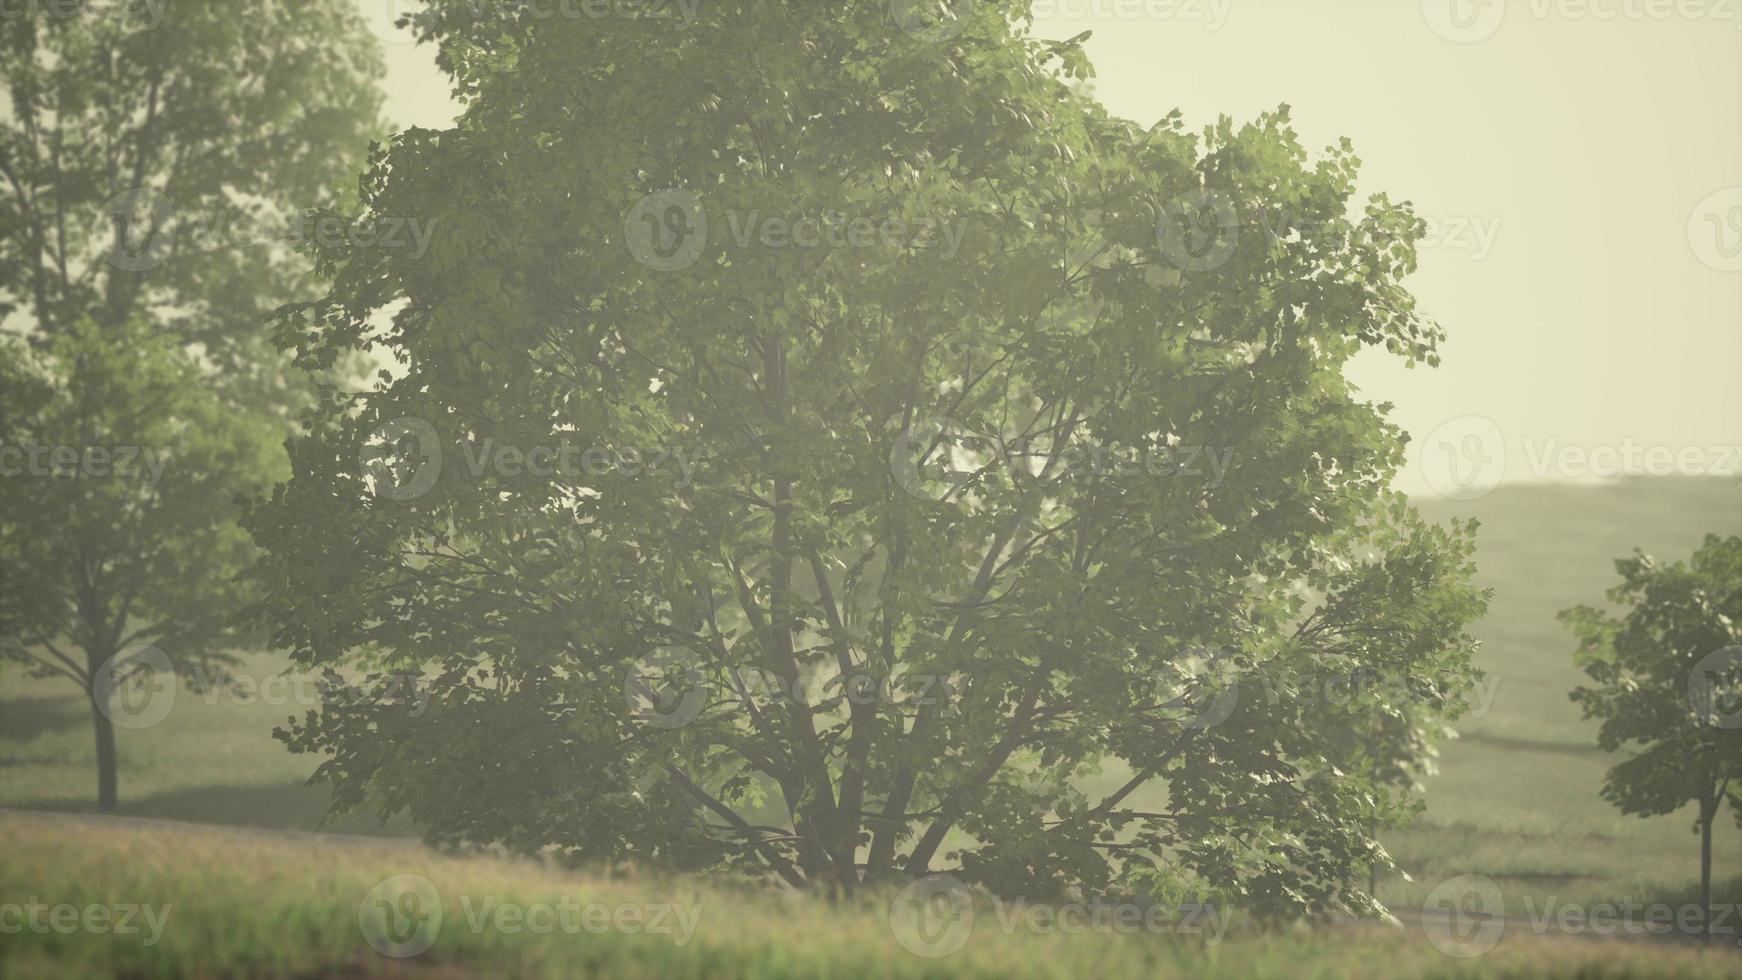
x=1516, y=800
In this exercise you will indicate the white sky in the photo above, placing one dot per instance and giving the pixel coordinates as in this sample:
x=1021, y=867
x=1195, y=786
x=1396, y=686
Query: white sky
x=1566, y=154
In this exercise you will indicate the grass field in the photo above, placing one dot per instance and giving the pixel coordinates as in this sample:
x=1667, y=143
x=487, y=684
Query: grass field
x=1516, y=798
x=1516, y=802
x=229, y=902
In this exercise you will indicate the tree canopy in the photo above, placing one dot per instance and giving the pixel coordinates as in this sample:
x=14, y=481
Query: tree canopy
x=1667, y=686
x=155, y=161
x=826, y=447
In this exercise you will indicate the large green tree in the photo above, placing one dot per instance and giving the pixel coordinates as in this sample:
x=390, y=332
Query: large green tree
x=821, y=442
x=155, y=161
x=1667, y=686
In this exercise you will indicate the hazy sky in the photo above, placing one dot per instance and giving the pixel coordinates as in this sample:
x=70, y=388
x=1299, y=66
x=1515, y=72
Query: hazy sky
x=1579, y=162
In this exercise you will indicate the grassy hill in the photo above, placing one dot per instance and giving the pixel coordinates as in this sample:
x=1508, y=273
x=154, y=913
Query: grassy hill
x=1516, y=800
x=228, y=902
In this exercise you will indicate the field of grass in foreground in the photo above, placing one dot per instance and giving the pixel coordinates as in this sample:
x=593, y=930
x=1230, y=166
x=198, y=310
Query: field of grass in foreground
x=1517, y=799
x=229, y=902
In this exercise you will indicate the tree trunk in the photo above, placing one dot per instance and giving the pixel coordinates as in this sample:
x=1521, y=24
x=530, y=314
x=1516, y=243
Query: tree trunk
x=1706, y=815
x=106, y=765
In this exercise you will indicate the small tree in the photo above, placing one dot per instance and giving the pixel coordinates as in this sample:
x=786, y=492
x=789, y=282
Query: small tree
x=153, y=158
x=1668, y=676
x=119, y=475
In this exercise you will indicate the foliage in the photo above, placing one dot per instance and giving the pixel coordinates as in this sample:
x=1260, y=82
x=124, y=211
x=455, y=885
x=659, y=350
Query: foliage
x=1659, y=691
x=121, y=477
x=154, y=159
x=883, y=546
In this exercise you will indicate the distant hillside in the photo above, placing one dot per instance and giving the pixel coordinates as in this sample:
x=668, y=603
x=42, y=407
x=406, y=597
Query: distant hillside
x=1544, y=547
x=1517, y=796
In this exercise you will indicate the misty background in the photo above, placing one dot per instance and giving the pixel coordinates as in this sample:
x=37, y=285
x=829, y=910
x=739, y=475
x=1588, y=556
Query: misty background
x=1579, y=166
